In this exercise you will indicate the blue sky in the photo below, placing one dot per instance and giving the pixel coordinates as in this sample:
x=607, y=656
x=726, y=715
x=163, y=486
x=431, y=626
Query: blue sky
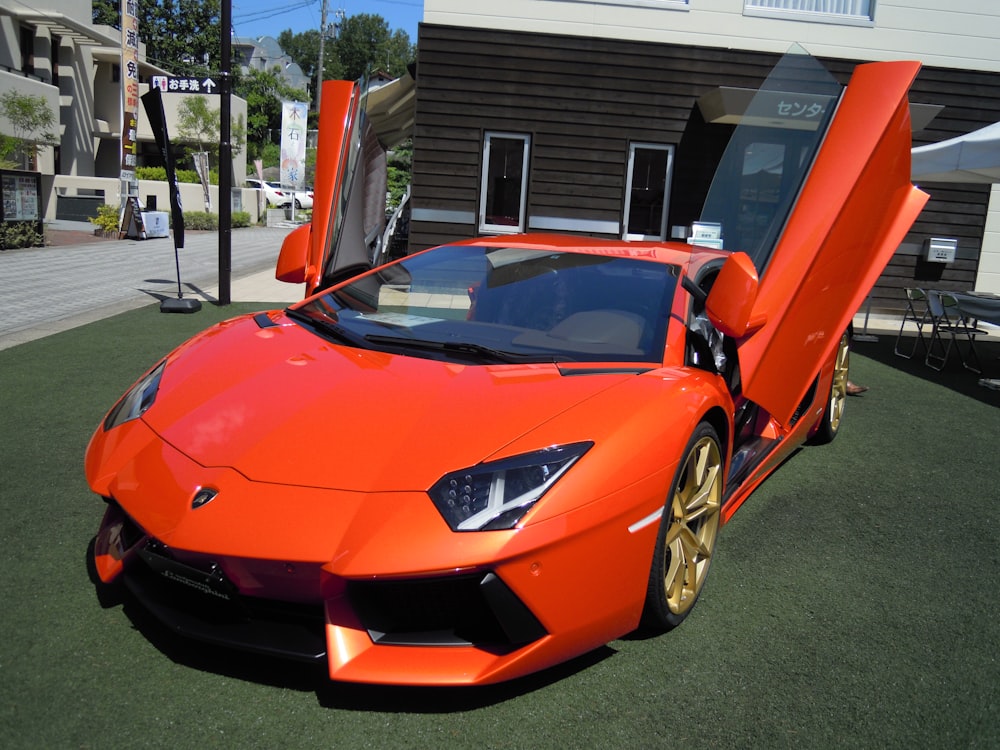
x=256, y=18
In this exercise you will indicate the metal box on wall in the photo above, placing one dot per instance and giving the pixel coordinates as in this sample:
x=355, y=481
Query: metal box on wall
x=941, y=249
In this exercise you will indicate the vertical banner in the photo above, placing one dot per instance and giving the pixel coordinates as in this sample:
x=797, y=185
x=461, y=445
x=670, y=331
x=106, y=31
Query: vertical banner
x=153, y=103
x=294, y=121
x=130, y=99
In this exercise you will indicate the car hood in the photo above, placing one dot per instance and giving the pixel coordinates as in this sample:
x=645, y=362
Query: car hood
x=280, y=404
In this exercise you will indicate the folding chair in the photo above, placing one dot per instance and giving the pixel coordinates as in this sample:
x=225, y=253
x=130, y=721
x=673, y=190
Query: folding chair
x=963, y=326
x=918, y=313
x=950, y=323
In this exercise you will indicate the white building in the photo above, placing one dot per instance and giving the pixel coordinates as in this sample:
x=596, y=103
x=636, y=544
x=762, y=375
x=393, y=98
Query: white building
x=53, y=50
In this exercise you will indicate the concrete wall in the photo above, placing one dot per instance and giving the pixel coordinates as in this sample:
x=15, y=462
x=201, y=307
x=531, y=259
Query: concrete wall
x=192, y=195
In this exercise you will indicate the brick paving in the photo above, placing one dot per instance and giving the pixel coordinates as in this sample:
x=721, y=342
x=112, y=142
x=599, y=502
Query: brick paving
x=78, y=278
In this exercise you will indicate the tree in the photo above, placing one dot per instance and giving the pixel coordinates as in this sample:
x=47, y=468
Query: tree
x=107, y=13
x=30, y=118
x=399, y=168
x=400, y=54
x=182, y=35
x=199, y=123
x=365, y=43
x=303, y=48
x=264, y=92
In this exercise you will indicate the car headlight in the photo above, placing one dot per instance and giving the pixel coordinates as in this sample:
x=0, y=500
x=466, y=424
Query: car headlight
x=496, y=495
x=139, y=398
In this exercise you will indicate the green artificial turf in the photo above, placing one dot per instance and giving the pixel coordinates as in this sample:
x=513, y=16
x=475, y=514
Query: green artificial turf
x=852, y=603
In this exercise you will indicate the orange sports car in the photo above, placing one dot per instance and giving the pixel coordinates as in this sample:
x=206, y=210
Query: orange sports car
x=486, y=458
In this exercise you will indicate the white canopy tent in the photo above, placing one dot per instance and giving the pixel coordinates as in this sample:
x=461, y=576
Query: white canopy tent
x=973, y=157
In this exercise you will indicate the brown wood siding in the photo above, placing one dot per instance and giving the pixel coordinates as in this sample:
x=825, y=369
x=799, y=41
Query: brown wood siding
x=583, y=100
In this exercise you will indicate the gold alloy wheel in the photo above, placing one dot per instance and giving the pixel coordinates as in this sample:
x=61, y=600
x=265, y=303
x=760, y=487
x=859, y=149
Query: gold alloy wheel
x=694, y=524
x=838, y=391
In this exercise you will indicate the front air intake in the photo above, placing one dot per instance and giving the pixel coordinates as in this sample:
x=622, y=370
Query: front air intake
x=470, y=610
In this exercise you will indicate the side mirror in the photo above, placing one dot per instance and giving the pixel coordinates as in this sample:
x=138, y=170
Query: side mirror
x=294, y=257
x=731, y=300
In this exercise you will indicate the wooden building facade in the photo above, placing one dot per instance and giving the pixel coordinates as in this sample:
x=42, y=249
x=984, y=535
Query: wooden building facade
x=613, y=138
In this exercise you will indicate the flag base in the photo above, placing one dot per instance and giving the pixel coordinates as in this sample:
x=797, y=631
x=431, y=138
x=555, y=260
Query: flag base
x=171, y=305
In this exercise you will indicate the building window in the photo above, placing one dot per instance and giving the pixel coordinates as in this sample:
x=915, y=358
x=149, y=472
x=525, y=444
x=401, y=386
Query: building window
x=834, y=10
x=504, y=189
x=662, y=4
x=647, y=186
x=56, y=46
x=28, y=50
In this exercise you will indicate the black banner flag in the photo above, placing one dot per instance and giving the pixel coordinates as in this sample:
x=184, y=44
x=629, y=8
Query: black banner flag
x=153, y=103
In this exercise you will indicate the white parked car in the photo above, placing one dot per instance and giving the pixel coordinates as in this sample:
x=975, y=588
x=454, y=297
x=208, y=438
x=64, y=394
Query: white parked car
x=272, y=192
x=282, y=197
x=303, y=198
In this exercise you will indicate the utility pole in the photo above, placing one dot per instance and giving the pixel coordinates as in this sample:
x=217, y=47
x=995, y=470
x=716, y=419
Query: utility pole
x=319, y=70
x=324, y=31
x=225, y=160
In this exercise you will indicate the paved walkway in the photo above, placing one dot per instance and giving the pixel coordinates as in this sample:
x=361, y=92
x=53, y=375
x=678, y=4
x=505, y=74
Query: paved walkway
x=51, y=289
x=55, y=288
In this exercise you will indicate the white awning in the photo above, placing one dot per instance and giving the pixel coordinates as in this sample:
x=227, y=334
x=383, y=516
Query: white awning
x=391, y=109
x=971, y=158
x=728, y=105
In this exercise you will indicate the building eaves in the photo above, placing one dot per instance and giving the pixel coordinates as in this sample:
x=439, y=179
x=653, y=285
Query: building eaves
x=114, y=55
x=59, y=24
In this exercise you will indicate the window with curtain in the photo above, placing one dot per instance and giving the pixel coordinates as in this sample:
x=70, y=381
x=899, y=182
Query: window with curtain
x=849, y=8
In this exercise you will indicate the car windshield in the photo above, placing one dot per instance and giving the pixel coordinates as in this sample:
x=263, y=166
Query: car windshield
x=503, y=304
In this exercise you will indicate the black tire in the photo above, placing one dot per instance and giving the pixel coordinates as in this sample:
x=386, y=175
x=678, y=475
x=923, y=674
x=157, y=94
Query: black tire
x=836, y=402
x=688, y=532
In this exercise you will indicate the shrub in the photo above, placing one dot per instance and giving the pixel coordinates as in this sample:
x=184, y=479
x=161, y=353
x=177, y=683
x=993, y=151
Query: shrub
x=240, y=219
x=202, y=220
x=106, y=219
x=151, y=173
x=159, y=174
x=19, y=234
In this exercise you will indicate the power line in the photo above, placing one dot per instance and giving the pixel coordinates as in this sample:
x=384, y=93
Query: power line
x=261, y=15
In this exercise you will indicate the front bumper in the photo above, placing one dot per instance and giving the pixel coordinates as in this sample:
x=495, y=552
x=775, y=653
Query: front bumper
x=376, y=584
x=326, y=618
